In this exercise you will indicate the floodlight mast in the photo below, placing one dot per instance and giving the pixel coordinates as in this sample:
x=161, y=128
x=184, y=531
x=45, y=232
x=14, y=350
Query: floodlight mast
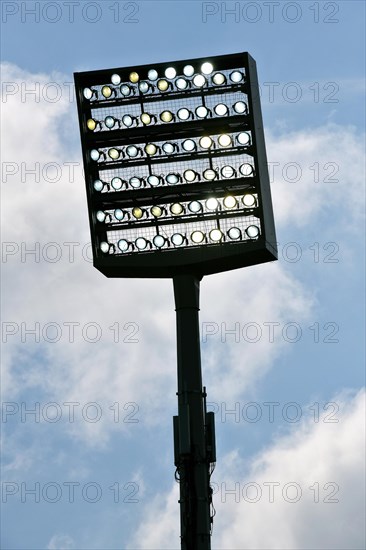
x=137, y=201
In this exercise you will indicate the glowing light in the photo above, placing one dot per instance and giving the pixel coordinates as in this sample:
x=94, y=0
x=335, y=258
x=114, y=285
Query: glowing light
x=219, y=79
x=104, y=247
x=110, y=121
x=234, y=233
x=166, y=116
x=176, y=209
x=115, y=79
x=236, y=76
x=152, y=75
x=127, y=120
x=188, y=70
x=195, y=207
x=206, y=68
x=170, y=73
x=144, y=87
x=189, y=145
x=215, y=235
x=202, y=111
x=206, y=142
x=107, y=91
x=209, y=174
x=197, y=237
x=252, y=231
x=230, y=201
x=134, y=77
x=225, y=140
x=132, y=151
x=137, y=212
x=88, y=93
x=199, y=80
x=172, y=179
x=246, y=169
x=141, y=243
x=117, y=183
x=163, y=85
x=151, y=149
x=240, y=107
x=101, y=216
x=212, y=204
x=119, y=214
x=153, y=180
x=183, y=114
x=135, y=182
x=91, y=123
x=145, y=118
x=94, y=154
x=169, y=148
x=177, y=239
x=126, y=90
x=181, y=83
x=113, y=153
x=159, y=241
x=243, y=138
x=156, y=211
x=249, y=200
x=123, y=245
x=227, y=171
x=190, y=175
x=98, y=185
x=221, y=109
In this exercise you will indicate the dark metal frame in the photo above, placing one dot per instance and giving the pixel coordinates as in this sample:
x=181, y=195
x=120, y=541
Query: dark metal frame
x=200, y=260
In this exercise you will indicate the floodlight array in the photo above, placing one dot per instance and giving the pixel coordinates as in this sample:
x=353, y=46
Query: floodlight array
x=170, y=157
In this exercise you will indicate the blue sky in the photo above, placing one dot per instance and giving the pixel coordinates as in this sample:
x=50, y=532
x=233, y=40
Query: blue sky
x=103, y=407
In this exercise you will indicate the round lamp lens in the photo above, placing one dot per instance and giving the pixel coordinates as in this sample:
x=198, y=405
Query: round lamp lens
x=190, y=175
x=113, y=153
x=206, y=142
x=115, y=79
x=234, y=233
x=156, y=211
x=163, y=85
x=177, y=239
x=227, y=171
x=240, y=107
x=181, y=83
x=189, y=145
x=94, y=154
x=218, y=79
x=195, y=207
x=197, y=237
x=246, y=169
x=166, y=116
x=206, y=68
x=135, y=182
x=150, y=149
x=100, y=216
x=176, y=209
x=145, y=119
x=249, y=200
x=202, y=111
x=236, y=76
x=104, y=247
x=126, y=90
x=98, y=185
x=172, y=179
x=127, y=120
x=183, y=114
x=230, y=201
x=221, y=109
x=153, y=180
x=212, y=204
x=158, y=241
x=152, y=75
x=209, y=174
x=106, y=91
x=132, y=151
x=225, y=140
x=243, y=138
x=118, y=214
x=144, y=87
x=123, y=245
x=91, y=124
x=109, y=121
x=199, y=80
x=137, y=212
x=252, y=231
x=116, y=183
x=215, y=235
x=168, y=148
x=87, y=93
x=141, y=243
x=170, y=72
x=188, y=70
x=134, y=77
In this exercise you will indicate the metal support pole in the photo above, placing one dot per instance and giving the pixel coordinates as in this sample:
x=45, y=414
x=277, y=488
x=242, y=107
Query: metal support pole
x=191, y=452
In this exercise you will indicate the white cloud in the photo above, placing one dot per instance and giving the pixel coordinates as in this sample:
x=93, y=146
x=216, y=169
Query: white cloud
x=329, y=457
x=61, y=542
